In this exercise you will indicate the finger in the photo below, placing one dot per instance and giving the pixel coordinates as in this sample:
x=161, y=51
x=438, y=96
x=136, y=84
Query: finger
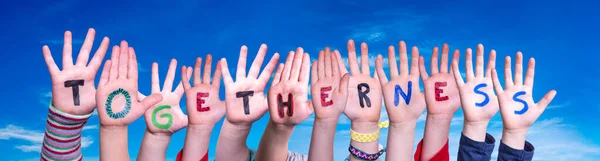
x=364, y=58
x=197, y=79
x=297, y=64
x=114, y=69
x=469, y=64
x=99, y=55
x=340, y=63
x=277, y=76
x=321, y=65
x=327, y=56
x=217, y=77
x=265, y=75
x=403, y=59
x=168, y=84
x=155, y=79
x=208, y=68
x=352, y=58
x=457, y=76
x=185, y=78
x=344, y=84
x=543, y=103
x=508, y=81
x=392, y=61
x=422, y=69
x=123, y=60
x=84, y=52
x=491, y=63
x=313, y=73
x=335, y=69
x=479, y=61
x=434, y=61
x=226, y=75
x=444, y=62
x=141, y=96
x=496, y=82
x=151, y=100
x=305, y=69
x=241, y=67
x=414, y=64
x=379, y=69
x=67, y=50
x=179, y=89
x=257, y=63
x=133, y=68
x=530, y=73
x=519, y=69
x=287, y=69
x=105, y=73
x=52, y=68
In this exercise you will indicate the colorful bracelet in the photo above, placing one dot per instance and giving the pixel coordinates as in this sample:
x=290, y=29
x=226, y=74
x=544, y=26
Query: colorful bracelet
x=359, y=154
x=367, y=138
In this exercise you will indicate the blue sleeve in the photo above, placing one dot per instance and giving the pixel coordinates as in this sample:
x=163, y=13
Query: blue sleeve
x=506, y=153
x=471, y=150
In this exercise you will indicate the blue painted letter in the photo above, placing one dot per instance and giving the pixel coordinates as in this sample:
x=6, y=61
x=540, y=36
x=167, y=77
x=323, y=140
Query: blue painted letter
x=398, y=91
x=477, y=91
x=525, y=107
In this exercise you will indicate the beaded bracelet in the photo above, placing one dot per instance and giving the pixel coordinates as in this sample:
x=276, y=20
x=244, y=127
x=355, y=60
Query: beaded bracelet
x=359, y=154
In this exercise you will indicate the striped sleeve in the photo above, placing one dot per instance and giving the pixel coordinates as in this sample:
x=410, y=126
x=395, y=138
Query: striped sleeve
x=62, y=139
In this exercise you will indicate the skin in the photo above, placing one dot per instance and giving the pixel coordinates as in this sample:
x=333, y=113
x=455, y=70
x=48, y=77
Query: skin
x=235, y=130
x=403, y=118
x=120, y=72
x=516, y=126
x=364, y=120
x=439, y=113
x=291, y=78
x=156, y=140
x=476, y=118
x=202, y=123
x=327, y=72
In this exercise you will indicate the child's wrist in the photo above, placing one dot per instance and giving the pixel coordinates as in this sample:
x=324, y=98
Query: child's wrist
x=475, y=130
x=514, y=138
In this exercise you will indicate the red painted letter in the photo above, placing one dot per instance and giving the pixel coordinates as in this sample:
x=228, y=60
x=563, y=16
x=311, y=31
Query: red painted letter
x=439, y=91
x=200, y=101
x=324, y=96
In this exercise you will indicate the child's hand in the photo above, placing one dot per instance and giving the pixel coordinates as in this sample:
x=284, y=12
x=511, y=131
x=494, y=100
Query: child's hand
x=329, y=85
x=441, y=93
x=364, y=91
x=203, y=104
x=73, y=89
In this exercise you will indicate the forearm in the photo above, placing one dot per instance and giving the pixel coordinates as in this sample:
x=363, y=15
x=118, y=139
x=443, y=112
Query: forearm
x=475, y=130
x=274, y=142
x=196, y=142
x=437, y=128
x=62, y=140
x=401, y=137
x=232, y=142
x=113, y=143
x=321, y=143
x=154, y=147
x=365, y=128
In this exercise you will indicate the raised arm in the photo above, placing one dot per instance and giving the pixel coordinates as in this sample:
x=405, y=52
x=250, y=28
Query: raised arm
x=329, y=88
x=118, y=102
x=73, y=98
x=288, y=104
x=204, y=107
x=403, y=105
x=364, y=95
x=245, y=103
x=164, y=118
x=479, y=103
x=518, y=110
x=442, y=99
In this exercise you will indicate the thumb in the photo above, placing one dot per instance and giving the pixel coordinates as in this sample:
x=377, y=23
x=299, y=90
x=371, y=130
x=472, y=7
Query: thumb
x=343, y=89
x=151, y=100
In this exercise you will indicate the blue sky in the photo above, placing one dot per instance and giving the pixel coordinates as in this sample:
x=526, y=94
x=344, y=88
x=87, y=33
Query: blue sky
x=561, y=36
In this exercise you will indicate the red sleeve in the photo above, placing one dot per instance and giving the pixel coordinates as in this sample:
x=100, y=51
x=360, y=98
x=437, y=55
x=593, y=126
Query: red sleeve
x=442, y=155
x=180, y=156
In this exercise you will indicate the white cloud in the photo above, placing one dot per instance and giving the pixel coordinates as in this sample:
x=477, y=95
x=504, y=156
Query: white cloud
x=90, y=127
x=34, y=138
x=561, y=105
x=389, y=23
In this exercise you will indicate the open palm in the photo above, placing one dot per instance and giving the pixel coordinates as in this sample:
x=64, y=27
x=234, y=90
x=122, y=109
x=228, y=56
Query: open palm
x=479, y=102
x=368, y=109
x=244, y=98
x=203, y=104
x=73, y=89
x=407, y=104
x=166, y=116
x=329, y=90
x=288, y=95
x=441, y=93
x=118, y=102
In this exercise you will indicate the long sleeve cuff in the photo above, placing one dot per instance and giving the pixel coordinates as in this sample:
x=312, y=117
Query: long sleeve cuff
x=441, y=155
x=506, y=153
x=180, y=156
x=62, y=139
x=473, y=150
